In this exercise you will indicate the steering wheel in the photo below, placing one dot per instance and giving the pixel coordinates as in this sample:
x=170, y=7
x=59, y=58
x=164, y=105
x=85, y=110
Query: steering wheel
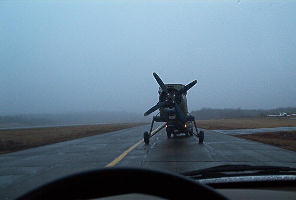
x=116, y=181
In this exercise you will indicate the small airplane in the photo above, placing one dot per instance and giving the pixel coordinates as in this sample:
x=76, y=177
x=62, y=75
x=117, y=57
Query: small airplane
x=282, y=114
x=173, y=111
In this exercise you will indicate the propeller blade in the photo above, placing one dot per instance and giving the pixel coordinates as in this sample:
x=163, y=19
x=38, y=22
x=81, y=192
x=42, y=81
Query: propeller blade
x=160, y=82
x=188, y=86
x=154, y=108
x=180, y=114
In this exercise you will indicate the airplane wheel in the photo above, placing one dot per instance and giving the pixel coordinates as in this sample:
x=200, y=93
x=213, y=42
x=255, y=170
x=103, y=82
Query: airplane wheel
x=190, y=132
x=169, y=134
x=201, y=137
x=146, y=137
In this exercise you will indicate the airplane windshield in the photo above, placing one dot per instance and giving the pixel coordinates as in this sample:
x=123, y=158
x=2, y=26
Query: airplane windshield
x=178, y=86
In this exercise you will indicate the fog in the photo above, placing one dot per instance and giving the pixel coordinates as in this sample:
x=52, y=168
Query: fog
x=76, y=56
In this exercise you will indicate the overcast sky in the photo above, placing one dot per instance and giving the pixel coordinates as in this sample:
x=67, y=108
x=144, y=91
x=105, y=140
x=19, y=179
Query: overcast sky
x=61, y=56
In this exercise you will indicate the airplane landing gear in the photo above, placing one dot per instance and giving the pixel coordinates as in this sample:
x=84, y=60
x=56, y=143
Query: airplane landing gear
x=169, y=134
x=201, y=136
x=146, y=137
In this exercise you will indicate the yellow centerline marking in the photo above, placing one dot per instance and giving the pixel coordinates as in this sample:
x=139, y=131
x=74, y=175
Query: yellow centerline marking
x=119, y=158
x=124, y=154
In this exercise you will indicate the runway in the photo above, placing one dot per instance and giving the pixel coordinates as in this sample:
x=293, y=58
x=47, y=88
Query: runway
x=25, y=170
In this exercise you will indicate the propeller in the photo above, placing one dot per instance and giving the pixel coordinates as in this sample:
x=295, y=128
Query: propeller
x=160, y=82
x=187, y=87
x=179, y=113
x=154, y=108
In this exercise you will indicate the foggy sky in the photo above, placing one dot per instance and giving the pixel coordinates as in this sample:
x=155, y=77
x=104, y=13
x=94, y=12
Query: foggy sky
x=62, y=56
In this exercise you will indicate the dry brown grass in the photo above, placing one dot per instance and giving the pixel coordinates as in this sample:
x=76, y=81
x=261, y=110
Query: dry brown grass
x=228, y=124
x=286, y=140
x=19, y=139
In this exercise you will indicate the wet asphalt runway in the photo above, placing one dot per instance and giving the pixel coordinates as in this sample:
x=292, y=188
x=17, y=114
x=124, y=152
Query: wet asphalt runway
x=25, y=170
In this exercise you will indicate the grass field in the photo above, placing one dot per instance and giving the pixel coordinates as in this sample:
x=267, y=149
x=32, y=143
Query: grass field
x=229, y=124
x=20, y=139
x=286, y=140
